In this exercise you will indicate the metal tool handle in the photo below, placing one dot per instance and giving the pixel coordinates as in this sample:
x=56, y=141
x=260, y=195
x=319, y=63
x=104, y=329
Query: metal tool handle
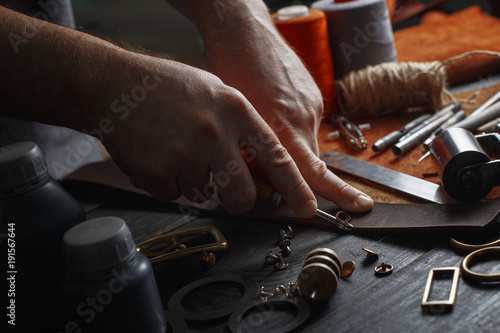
x=473, y=123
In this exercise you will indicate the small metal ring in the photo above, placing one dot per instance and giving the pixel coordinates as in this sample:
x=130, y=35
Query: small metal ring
x=384, y=269
x=343, y=216
x=478, y=276
x=303, y=310
x=251, y=291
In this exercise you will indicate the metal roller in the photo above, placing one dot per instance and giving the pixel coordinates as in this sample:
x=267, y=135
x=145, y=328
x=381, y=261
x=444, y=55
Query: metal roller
x=460, y=155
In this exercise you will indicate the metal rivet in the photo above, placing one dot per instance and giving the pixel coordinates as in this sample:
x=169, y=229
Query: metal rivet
x=279, y=290
x=347, y=268
x=369, y=252
x=270, y=255
x=264, y=293
x=383, y=269
x=207, y=259
x=285, y=247
x=293, y=290
x=281, y=264
x=286, y=233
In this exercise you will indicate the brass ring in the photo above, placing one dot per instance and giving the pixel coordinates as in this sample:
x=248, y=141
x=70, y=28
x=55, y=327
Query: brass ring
x=471, y=247
x=343, y=216
x=384, y=269
x=478, y=276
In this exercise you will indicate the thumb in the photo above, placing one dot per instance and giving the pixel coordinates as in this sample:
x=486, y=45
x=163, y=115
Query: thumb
x=328, y=185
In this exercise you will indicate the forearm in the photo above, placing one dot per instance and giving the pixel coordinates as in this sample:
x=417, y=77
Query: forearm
x=56, y=75
x=240, y=34
x=221, y=21
x=247, y=52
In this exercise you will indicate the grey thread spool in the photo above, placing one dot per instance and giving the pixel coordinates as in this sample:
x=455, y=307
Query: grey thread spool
x=360, y=34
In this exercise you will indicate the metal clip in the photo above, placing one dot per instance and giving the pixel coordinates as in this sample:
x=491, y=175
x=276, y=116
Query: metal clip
x=176, y=250
x=350, y=131
x=453, y=290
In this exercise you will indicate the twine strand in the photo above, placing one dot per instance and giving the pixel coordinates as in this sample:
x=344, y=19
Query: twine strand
x=388, y=87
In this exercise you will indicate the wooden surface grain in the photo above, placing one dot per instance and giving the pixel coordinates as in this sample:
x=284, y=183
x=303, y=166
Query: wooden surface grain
x=364, y=302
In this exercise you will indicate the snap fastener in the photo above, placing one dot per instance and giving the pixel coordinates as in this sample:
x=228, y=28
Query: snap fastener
x=384, y=269
x=369, y=252
x=347, y=268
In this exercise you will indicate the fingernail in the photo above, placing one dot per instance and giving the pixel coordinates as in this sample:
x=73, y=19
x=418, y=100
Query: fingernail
x=309, y=209
x=364, y=202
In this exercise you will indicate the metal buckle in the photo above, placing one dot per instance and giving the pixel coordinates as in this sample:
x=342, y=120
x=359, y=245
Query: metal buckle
x=176, y=250
x=453, y=290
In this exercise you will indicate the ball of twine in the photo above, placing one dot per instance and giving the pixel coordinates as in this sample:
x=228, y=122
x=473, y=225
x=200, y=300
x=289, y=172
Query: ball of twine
x=388, y=87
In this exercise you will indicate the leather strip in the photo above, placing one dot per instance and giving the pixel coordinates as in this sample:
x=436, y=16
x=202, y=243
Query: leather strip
x=401, y=218
x=384, y=217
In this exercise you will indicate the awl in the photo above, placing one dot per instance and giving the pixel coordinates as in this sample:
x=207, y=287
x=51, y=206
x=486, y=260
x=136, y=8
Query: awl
x=268, y=194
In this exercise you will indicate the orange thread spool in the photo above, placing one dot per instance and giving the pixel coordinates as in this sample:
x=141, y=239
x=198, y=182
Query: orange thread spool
x=305, y=29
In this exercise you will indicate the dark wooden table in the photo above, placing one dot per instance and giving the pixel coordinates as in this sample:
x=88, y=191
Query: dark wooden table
x=364, y=302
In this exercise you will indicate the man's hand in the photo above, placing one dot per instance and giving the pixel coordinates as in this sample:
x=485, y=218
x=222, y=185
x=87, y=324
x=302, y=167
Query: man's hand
x=187, y=136
x=172, y=128
x=245, y=50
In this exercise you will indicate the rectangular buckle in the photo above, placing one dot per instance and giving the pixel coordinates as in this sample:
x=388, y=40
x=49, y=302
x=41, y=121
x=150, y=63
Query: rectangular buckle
x=453, y=290
x=176, y=250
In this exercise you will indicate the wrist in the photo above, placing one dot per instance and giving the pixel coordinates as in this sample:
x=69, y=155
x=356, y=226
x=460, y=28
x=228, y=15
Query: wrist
x=228, y=21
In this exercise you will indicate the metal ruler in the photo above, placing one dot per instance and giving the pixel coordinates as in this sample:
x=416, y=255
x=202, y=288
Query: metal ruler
x=398, y=181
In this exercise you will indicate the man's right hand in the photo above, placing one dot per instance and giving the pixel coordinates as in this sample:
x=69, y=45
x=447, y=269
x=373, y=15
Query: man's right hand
x=187, y=134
